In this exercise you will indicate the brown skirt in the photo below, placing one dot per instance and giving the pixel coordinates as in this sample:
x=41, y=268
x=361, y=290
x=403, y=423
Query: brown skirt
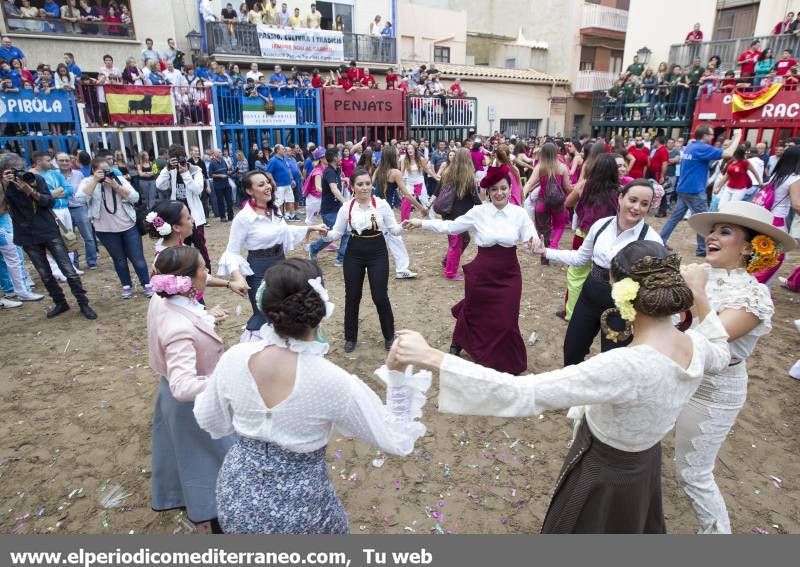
x=602, y=490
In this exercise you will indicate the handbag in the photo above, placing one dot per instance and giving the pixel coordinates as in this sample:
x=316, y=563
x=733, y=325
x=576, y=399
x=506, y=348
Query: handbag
x=766, y=196
x=443, y=204
x=69, y=237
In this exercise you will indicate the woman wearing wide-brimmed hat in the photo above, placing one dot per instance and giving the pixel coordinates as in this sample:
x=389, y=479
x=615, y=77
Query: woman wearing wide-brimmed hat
x=741, y=240
x=487, y=319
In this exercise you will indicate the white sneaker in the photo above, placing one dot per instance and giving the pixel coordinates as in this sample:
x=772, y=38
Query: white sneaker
x=337, y=264
x=127, y=292
x=8, y=304
x=797, y=324
x=79, y=272
x=405, y=275
x=28, y=296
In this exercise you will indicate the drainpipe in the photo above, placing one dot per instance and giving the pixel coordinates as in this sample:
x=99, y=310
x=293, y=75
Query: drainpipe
x=395, y=28
x=549, y=107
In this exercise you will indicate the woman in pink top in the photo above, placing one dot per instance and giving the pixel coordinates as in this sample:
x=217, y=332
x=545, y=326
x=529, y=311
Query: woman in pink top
x=184, y=349
x=348, y=167
x=312, y=188
x=502, y=157
x=478, y=160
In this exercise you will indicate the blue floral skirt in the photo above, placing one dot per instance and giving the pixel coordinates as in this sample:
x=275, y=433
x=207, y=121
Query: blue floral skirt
x=263, y=488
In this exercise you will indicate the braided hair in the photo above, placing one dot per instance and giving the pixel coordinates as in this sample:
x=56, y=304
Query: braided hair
x=662, y=289
x=290, y=304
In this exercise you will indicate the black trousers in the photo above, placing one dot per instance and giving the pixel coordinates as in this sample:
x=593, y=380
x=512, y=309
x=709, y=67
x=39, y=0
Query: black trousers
x=38, y=256
x=371, y=256
x=584, y=324
x=224, y=200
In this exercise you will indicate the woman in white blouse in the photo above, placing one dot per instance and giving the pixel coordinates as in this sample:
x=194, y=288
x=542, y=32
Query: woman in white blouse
x=487, y=319
x=260, y=228
x=625, y=400
x=366, y=218
x=283, y=399
x=605, y=239
x=734, y=236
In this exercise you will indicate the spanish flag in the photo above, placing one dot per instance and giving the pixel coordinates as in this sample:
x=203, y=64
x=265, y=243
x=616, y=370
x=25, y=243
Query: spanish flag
x=132, y=104
x=743, y=102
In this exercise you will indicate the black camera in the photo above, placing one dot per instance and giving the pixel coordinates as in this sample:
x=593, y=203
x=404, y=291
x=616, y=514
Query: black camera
x=182, y=161
x=108, y=174
x=26, y=176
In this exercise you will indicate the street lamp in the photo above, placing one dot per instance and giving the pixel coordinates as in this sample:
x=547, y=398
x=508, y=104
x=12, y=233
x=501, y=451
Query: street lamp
x=195, y=39
x=644, y=55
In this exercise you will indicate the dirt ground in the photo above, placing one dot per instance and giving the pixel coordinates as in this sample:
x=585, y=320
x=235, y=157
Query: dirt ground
x=77, y=397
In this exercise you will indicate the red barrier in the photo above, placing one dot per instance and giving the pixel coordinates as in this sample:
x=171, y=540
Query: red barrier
x=782, y=108
x=362, y=106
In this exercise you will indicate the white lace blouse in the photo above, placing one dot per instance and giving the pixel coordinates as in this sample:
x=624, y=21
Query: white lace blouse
x=324, y=396
x=631, y=396
x=252, y=231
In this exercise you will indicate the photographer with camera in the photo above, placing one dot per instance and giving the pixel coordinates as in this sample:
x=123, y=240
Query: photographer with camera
x=111, y=199
x=186, y=182
x=29, y=201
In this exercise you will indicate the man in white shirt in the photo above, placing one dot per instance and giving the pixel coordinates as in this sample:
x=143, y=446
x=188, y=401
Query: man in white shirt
x=254, y=73
x=207, y=11
x=171, y=51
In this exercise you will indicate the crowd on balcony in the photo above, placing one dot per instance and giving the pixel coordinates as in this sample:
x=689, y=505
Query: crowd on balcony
x=100, y=17
x=268, y=13
x=669, y=92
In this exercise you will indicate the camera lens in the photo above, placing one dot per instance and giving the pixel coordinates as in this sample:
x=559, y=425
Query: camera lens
x=27, y=177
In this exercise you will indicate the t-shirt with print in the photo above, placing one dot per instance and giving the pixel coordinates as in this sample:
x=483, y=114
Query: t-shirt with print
x=782, y=67
x=695, y=158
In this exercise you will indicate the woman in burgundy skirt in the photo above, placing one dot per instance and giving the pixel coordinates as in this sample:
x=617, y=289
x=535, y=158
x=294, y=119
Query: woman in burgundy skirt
x=487, y=319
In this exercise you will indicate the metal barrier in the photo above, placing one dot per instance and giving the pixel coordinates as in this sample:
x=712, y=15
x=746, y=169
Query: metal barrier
x=338, y=133
x=668, y=110
x=58, y=26
x=188, y=106
x=729, y=50
x=242, y=39
x=442, y=111
x=273, y=115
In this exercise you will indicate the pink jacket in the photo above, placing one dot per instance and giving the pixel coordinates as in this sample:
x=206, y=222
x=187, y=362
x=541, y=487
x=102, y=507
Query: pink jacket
x=183, y=348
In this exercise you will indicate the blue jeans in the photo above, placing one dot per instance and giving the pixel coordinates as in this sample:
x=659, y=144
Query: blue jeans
x=123, y=247
x=694, y=202
x=80, y=219
x=330, y=219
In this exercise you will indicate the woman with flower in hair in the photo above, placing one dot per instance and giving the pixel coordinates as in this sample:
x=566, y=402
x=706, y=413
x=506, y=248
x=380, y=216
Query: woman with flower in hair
x=170, y=223
x=624, y=401
x=283, y=399
x=741, y=240
x=184, y=350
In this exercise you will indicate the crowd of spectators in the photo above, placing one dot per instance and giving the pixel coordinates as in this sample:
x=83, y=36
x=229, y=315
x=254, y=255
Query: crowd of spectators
x=100, y=17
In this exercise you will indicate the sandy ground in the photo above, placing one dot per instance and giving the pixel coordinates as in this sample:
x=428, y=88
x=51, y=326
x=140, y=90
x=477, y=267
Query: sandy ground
x=77, y=400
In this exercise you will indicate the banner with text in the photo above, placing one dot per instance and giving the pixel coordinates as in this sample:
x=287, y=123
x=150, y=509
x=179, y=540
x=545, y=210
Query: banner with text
x=300, y=44
x=269, y=107
x=370, y=106
x=27, y=106
x=718, y=110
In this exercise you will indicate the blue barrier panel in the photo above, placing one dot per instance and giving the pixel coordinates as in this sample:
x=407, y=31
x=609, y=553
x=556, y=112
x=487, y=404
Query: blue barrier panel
x=275, y=115
x=31, y=121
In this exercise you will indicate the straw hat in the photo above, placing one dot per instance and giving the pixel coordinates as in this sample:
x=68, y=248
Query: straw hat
x=741, y=213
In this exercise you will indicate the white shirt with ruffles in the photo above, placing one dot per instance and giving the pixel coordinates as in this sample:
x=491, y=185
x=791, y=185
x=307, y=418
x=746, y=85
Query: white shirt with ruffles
x=491, y=226
x=631, y=396
x=324, y=396
x=252, y=231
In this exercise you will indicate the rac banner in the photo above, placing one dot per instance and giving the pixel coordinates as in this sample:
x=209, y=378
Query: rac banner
x=132, y=104
x=783, y=106
x=300, y=44
x=747, y=101
x=27, y=106
x=366, y=106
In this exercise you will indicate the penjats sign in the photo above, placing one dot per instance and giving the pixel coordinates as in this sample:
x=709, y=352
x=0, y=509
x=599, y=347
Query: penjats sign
x=366, y=106
x=783, y=107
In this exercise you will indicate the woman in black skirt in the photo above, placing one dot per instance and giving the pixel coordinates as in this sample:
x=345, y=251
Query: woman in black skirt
x=260, y=228
x=366, y=218
x=624, y=400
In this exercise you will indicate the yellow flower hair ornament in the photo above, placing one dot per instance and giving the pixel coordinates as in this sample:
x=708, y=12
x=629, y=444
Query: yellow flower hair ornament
x=765, y=254
x=623, y=293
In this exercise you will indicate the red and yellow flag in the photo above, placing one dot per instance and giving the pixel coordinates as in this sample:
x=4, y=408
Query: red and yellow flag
x=131, y=104
x=747, y=101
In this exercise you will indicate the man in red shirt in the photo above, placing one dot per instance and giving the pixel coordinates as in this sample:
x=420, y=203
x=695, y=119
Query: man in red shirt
x=316, y=79
x=391, y=79
x=747, y=60
x=641, y=155
x=455, y=88
x=659, y=160
x=354, y=74
x=694, y=36
x=368, y=80
x=786, y=62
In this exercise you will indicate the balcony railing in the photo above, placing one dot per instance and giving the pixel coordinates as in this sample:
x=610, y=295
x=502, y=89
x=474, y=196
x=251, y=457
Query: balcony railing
x=58, y=26
x=589, y=81
x=435, y=112
x=676, y=109
x=242, y=39
x=596, y=16
x=729, y=50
